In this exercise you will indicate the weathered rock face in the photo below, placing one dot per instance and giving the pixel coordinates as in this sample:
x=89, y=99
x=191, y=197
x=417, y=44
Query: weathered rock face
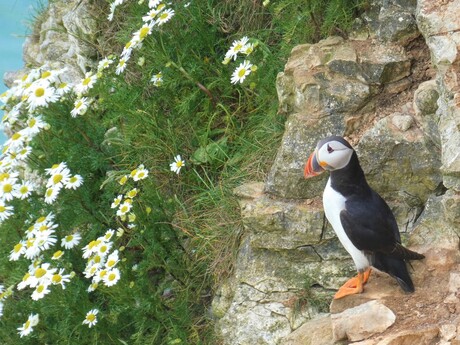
x=403, y=118
x=66, y=38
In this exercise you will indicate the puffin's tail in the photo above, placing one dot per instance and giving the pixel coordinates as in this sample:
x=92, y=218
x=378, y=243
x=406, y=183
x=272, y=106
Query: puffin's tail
x=396, y=268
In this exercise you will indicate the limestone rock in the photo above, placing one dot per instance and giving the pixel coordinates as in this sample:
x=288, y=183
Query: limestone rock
x=64, y=39
x=315, y=332
x=302, y=132
x=395, y=160
x=402, y=122
x=440, y=25
x=398, y=24
x=425, y=106
x=361, y=322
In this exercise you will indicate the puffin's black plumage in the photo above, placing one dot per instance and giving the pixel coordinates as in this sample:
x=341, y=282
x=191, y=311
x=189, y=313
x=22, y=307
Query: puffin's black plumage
x=370, y=224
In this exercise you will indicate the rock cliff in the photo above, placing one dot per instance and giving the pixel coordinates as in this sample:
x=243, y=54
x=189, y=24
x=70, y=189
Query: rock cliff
x=392, y=90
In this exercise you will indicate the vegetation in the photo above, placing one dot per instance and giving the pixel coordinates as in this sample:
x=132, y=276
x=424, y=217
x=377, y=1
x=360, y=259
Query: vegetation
x=107, y=235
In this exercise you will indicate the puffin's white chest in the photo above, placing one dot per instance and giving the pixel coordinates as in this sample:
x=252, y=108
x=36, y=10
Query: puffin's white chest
x=334, y=203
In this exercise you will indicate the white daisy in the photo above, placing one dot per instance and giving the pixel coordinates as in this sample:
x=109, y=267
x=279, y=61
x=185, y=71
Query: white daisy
x=104, y=64
x=71, y=240
x=165, y=16
x=112, y=260
x=23, y=153
x=40, y=291
x=150, y=15
x=121, y=65
x=143, y=32
x=60, y=278
x=112, y=277
x=116, y=202
x=141, y=173
x=5, y=211
x=56, y=168
x=157, y=79
x=80, y=107
x=23, y=190
x=34, y=125
x=51, y=194
x=240, y=73
x=74, y=182
x=108, y=235
x=91, y=318
x=27, y=327
x=59, y=178
x=40, y=95
x=236, y=47
x=177, y=164
x=62, y=88
x=124, y=208
x=86, y=83
x=17, y=251
x=7, y=187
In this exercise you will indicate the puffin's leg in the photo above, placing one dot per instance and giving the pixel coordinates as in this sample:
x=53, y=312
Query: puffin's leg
x=351, y=283
x=354, y=285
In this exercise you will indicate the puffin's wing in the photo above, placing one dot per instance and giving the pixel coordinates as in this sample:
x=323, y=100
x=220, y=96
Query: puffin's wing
x=371, y=226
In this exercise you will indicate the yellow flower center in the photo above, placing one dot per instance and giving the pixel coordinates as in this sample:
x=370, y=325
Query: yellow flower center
x=112, y=276
x=238, y=47
x=73, y=179
x=16, y=136
x=2, y=208
x=57, y=278
x=69, y=238
x=40, y=288
x=58, y=254
x=242, y=72
x=40, y=272
x=32, y=122
x=86, y=81
x=49, y=192
x=27, y=324
x=17, y=247
x=62, y=85
x=40, y=220
x=91, y=317
x=7, y=188
x=57, y=178
x=144, y=32
x=39, y=92
x=23, y=189
x=111, y=263
x=46, y=74
x=164, y=16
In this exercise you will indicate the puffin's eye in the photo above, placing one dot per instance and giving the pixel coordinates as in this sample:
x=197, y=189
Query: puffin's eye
x=329, y=149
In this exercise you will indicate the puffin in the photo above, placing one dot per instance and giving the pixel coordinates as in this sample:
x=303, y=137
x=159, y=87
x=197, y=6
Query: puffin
x=362, y=220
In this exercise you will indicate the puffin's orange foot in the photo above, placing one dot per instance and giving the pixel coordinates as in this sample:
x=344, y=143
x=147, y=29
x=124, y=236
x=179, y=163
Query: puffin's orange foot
x=354, y=285
x=353, y=282
x=345, y=291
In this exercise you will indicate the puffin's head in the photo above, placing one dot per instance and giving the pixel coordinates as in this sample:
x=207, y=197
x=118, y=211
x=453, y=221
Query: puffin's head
x=331, y=153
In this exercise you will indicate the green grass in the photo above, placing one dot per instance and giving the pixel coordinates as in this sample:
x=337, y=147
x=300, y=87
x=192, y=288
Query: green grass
x=187, y=225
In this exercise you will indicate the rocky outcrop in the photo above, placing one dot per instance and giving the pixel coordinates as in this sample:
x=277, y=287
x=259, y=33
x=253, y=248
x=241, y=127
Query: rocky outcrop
x=395, y=97
x=63, y=36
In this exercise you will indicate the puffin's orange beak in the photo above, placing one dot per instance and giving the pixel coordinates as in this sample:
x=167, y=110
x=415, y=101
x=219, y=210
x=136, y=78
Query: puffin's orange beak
x=312, y=168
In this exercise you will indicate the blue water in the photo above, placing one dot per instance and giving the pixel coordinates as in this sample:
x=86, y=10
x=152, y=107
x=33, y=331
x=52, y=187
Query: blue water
x=15, y=15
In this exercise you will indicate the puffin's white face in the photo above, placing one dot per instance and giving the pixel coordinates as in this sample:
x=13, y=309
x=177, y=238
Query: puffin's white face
x=331, y=154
